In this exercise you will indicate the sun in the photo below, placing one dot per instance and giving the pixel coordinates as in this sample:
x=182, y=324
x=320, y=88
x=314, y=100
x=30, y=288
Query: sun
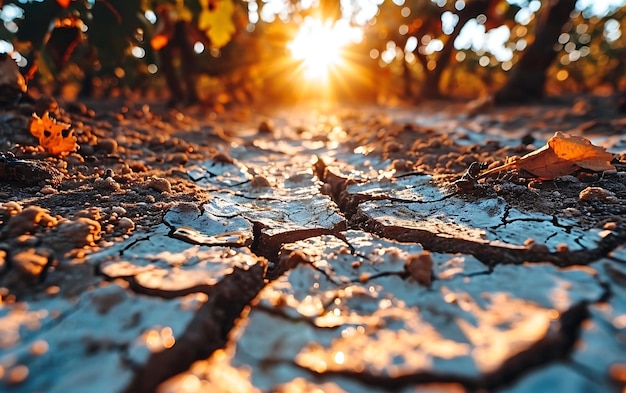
x=319, y=46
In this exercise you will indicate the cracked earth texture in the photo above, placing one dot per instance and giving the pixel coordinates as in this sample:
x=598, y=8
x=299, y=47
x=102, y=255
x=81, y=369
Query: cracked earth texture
x=310, y=250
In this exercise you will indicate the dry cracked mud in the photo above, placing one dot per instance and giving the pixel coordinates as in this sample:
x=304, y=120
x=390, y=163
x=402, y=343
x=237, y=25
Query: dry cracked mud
x=301, y=250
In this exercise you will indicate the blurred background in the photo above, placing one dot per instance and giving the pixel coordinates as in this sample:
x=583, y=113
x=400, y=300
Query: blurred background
x=221, y=52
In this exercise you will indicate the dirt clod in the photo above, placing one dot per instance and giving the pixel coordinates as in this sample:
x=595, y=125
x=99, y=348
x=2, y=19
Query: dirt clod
x=597, y=193
x=420, y=267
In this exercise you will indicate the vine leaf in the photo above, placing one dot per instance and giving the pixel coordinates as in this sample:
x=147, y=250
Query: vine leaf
x=55, y=137
x=216, y=19
x=562, y=155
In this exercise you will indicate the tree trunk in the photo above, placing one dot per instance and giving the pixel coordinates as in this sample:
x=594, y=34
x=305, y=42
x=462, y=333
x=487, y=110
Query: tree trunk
x=431, y=88
x=621, y=104
x=528, y=78
x=181, y=81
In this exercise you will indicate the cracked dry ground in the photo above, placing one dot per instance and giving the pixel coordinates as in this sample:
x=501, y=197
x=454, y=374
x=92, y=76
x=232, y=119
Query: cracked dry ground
x=312, y=251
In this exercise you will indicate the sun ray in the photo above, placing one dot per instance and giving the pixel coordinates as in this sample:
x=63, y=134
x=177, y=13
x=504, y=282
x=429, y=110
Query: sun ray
x=319, y=46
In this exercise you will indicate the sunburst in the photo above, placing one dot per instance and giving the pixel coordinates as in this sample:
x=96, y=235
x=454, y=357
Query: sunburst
x=320, y=46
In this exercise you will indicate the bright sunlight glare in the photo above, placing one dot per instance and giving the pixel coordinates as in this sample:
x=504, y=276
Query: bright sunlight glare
x=319, y=45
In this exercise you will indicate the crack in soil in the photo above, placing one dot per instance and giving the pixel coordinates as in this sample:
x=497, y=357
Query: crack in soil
x=557, y=344
x=208, y=328
x=207, y=331
x=487, y=253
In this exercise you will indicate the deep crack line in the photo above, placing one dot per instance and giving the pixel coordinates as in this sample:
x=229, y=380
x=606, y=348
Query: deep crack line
x=555, y=345
x=486, y=252
x=207, y=331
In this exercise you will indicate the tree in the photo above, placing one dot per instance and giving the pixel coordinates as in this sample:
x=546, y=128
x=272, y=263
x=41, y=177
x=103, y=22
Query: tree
x=527, y=79
x=431, y=86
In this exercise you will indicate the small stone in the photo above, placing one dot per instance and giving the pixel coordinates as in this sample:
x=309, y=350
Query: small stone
x=611, y=226
x=562, y=248
x=259, y=181
x=10, y=208
x=180, y=158
x=159, y=184
x=223, y=158
x=107, y=184
x=571, y=212
x=39, y=347
x=29, y=263
x=597, y=193
x=107, y=146
x=420, y=267
x=402, y=165
x=78, y=233
x=48, y=190
x=28, y=220
x=157, y=140
x=53, y=290
x=17, y=374
x=126, y=225
x=120, y=211
x=93, y=213
x=266, y=127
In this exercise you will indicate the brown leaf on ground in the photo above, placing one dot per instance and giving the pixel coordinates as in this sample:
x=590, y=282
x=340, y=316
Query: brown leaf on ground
x=562, y=155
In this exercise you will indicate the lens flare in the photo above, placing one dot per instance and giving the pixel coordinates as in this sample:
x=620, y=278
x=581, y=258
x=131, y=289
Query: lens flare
x=319, y=46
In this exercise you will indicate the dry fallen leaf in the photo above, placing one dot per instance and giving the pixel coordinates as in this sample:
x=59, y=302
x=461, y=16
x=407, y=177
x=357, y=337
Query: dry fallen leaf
x=562, y=155
x=55, y=137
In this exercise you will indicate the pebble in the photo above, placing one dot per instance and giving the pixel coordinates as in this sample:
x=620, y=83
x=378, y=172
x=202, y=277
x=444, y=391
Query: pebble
x=180, y=158
x=39, y=347
x=120, y=211
x=159, y=184
x=17, y=374
x=94, y=213
x=260, y=181
x=78, y=233
x=107, y=146
x=597, y=193
x=266, y=127
x=48, y=190
x=420, y=267
x=107, y=184
x=11, y=208
x=126, y=225
x=28, y=219
x=29, y=263
x=611, y=226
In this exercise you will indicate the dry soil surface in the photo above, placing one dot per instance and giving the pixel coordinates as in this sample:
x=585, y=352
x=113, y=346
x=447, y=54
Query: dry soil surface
x=310, y=249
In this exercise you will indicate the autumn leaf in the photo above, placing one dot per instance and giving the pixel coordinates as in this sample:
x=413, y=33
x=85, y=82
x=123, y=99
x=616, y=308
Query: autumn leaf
x=562, y=155
x=216, y=19
x=55, y=137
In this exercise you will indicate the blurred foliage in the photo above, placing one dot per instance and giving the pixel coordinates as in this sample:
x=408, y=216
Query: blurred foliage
x=232, y=50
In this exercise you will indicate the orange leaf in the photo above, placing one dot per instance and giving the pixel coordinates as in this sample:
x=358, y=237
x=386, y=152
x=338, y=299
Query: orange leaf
x=562, y=155
x=580, y=151
x=55, y=137
x=64, y=3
